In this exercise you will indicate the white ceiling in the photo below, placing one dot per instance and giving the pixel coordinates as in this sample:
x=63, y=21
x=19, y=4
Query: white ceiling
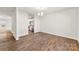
x=7, y=9
x=33, y=10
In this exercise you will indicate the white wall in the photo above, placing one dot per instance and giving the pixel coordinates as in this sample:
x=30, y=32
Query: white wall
x=5, y=20
x=78, y=24
x=22, y=23
x=36, y=24
x=14, y=24
x=9, y=16
x=62, y=23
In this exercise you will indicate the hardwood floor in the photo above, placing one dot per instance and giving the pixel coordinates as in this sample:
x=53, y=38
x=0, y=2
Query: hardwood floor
x=7, y=43
x=39, y=42
x=47, y=42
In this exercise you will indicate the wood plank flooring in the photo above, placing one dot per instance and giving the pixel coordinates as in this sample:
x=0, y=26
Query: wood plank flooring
x=8, y=43
x=47, y=42
x=39, y=42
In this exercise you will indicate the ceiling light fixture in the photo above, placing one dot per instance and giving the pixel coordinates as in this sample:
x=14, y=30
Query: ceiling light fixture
x=40, y=14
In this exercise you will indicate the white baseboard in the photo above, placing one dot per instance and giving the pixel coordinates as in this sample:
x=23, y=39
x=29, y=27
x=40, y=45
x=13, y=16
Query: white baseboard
x=17, y=38
x=22, y=35
x=78, y=40
x=64, y=36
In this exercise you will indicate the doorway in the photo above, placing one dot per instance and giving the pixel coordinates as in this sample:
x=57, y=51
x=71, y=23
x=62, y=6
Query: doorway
x=31, y=26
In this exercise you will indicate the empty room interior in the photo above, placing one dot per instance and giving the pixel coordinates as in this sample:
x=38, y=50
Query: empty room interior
x=39, y=29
